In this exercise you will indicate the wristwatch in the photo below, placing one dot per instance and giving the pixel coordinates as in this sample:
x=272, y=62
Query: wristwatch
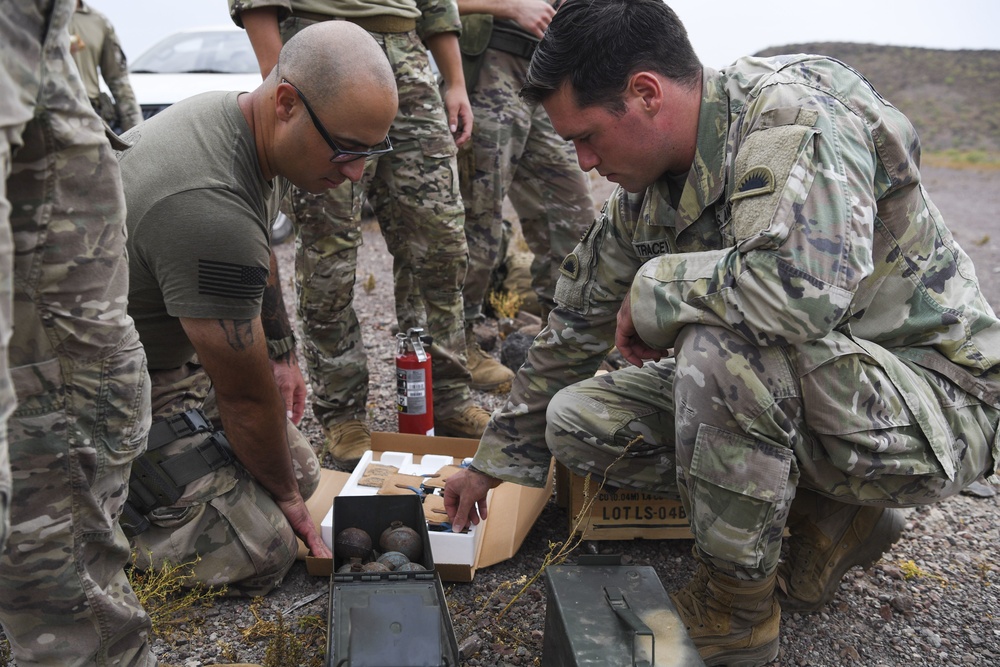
x=276, y=349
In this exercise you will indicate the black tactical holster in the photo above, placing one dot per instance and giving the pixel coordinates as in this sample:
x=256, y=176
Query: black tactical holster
x=158, y=480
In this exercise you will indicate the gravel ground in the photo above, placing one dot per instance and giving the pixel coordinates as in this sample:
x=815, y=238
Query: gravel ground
x=933, y=600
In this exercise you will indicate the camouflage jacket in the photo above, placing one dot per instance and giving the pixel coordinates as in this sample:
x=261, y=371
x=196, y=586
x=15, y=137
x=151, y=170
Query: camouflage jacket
x=433, y=16
x=802, y=222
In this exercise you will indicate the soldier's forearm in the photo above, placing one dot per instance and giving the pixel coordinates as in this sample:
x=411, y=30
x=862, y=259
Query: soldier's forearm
x=265, y=36
x=444, y=47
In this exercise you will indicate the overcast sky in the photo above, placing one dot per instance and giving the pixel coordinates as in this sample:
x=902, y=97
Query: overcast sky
x=721, y=30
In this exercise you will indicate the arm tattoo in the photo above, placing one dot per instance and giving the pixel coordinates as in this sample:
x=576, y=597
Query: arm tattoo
x=239, y=333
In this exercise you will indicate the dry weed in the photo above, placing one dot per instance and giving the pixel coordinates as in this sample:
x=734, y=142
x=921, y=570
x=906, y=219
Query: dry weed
x=369, y=284
x=285, y=647
x=505, y=304
x=168, y=594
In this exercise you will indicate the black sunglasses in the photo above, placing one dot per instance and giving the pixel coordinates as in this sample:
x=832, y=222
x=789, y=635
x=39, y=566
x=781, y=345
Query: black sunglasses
x=339, y=154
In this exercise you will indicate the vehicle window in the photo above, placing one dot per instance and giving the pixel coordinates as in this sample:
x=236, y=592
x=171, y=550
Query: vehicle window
x=227, y=52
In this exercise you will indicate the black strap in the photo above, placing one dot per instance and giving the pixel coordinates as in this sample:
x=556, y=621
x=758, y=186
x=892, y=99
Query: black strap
x=510, y=42
x=174, y=428
x=212, y=454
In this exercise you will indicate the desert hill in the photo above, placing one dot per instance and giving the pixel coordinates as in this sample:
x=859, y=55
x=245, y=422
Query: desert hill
x=952, y=97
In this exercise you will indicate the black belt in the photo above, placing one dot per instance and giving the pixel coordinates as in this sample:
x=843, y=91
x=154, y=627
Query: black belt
x=385, y=23
x=174, y=428
x=509, y=42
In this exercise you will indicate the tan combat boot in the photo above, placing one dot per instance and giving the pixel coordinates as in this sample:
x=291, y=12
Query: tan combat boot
x=826, y=539
x=347, y=442
x=732, y=622
x=488, y=374
x=469, y=423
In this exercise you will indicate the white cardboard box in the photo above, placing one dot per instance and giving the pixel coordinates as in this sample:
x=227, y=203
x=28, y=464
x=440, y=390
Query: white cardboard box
x=513, y=509
x=447, y=548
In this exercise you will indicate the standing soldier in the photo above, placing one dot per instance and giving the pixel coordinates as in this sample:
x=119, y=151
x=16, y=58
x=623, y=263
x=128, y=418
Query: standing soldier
x=78, y=370
x=95, y=46
x=414, y=192
x=516, y=153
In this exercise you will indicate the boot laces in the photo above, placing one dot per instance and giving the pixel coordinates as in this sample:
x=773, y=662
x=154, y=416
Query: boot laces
x=690, y=600
x=805, y=556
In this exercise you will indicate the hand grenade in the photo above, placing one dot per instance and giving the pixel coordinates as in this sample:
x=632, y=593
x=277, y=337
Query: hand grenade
x=414, y=400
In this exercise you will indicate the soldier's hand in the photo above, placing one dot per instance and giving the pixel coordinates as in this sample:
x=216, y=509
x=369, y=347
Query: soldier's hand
x=291, y=384
x=301, y=521
x=465, y=498
x=532, y=15
x=627, y=339
x=456, y=103
x=76, y=44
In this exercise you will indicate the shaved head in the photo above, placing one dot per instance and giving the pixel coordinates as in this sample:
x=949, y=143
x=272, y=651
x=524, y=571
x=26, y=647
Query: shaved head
x=333, y=89
x=326, y=58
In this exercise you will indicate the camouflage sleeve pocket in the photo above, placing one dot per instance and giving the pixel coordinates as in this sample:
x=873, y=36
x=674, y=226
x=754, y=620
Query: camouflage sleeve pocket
x=768, y=163
x=737, y=482
x=577, y=267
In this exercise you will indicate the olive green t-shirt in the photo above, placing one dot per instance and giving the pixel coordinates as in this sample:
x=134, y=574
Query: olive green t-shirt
x=199, y=220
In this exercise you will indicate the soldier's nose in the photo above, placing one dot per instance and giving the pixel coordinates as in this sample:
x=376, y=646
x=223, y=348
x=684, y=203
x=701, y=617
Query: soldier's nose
x=587, y=158
x=353, y=170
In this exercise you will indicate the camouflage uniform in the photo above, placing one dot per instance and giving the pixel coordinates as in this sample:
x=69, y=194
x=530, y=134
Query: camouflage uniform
x=515, y=152
x=225, y=520
x=77, y=367
x=828, y=331
x=414, y=192
x=12, y=116
x=98, y=48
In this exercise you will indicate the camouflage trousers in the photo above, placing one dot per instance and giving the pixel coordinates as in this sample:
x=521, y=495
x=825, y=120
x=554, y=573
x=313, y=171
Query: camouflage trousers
x=75, y=361
x=733, y=430
x=515, y=152
x=7, y=399
x=225, y=525
x=414, y=193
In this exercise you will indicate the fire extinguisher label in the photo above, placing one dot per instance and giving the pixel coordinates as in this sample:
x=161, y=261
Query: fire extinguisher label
x=411, y=391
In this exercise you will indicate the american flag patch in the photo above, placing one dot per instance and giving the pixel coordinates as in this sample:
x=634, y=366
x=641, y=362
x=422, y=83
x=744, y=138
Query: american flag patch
x=230, y=280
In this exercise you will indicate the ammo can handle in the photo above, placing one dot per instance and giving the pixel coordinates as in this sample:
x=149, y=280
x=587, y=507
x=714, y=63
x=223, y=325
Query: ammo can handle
x=619, y=604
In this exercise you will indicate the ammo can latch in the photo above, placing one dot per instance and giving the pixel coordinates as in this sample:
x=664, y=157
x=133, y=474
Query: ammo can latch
x=619, y=604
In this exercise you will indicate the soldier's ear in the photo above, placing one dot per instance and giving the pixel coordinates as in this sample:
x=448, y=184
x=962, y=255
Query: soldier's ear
x=285, y=101
x=646, y=88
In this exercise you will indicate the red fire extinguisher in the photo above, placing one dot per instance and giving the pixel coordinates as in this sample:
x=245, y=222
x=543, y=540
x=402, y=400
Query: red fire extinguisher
x=414, y=400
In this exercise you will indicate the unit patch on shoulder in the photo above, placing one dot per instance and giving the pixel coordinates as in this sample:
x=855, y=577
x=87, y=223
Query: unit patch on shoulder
x=756, y=181
x=570, y=266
